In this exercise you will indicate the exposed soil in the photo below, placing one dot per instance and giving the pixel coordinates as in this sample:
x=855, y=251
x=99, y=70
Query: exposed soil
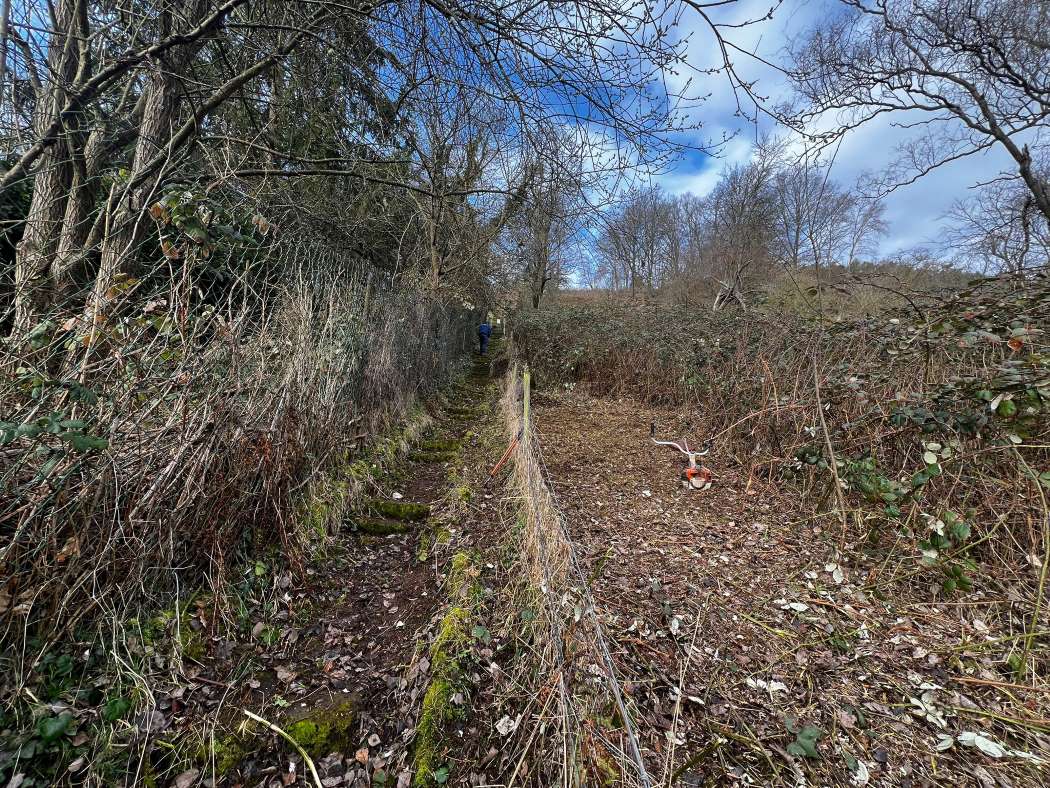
x=760, y=645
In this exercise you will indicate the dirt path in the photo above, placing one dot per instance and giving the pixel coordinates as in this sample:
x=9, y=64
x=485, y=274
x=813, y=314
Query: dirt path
x=336, y=663
x=752, y=654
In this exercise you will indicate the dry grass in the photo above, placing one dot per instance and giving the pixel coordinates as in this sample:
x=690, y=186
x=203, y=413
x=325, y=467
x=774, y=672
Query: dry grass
x=194, y=433
x=579, y=728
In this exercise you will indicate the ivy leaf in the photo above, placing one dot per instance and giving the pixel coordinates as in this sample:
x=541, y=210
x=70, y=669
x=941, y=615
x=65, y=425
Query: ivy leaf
x=116, y=709
x=51, y=729
x=83, y=443
x=805, y=744
x=441, y=775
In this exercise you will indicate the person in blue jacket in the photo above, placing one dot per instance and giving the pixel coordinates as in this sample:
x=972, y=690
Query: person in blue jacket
x=484, y=332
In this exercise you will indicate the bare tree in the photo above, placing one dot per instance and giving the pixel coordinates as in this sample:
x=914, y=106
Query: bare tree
x=817, y=221
x=638, y=241
x=964, y=76
x=119, y=103
x=742, y=208
x=1000, y=229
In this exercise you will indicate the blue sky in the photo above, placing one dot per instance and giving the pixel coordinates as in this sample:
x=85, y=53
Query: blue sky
x=915, y=213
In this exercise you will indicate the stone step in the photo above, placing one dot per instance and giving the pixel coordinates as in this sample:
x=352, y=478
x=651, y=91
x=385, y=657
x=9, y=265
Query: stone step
x=440, y=445
x=431, y=456
x=404, y=511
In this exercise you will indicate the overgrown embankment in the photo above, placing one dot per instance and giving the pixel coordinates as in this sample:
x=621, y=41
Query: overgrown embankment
x=196, y=460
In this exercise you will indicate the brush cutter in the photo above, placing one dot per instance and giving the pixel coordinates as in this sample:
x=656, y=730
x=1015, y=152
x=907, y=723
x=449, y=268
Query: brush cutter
x=694, y=477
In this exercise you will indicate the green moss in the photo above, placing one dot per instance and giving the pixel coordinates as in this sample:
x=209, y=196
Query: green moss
x=401, y=510
x=326, y=731
x=449, y=646
x=380, y=527
x=359, y=470
x=464, y=493
x=324, y=504
x=189, y=642
x=316, y=515
x=192, y=643
x=426, y=541
x=462, y=578
x=227, y=752
x=609, y=774
x=452, y=640
x=437, y=710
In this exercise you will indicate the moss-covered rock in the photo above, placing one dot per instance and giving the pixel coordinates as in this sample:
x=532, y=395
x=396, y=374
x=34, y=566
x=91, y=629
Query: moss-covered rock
x=431, y=456
x=325, y=731
x=401, y=510
x=452, y=640
x=447, y=652
x=378, y=526
x=437, y=711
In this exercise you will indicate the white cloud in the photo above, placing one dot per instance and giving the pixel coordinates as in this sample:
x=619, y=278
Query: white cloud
x=915, y=213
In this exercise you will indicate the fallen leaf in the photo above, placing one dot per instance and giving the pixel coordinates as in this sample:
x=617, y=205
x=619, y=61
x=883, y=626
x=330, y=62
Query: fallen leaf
x=982, y=743
x=506, y=725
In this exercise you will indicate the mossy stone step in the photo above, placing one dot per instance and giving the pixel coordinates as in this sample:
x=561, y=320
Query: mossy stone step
x=431, y=456
x=462, y=412
x=324, y=731
x=379, y=526
x=440, y=445
x=400, y=510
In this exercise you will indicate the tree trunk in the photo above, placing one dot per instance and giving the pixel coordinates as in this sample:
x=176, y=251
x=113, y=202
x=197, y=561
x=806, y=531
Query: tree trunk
x=51, y=186
x=127, y=222
x=76, y=224
x=159, y=117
